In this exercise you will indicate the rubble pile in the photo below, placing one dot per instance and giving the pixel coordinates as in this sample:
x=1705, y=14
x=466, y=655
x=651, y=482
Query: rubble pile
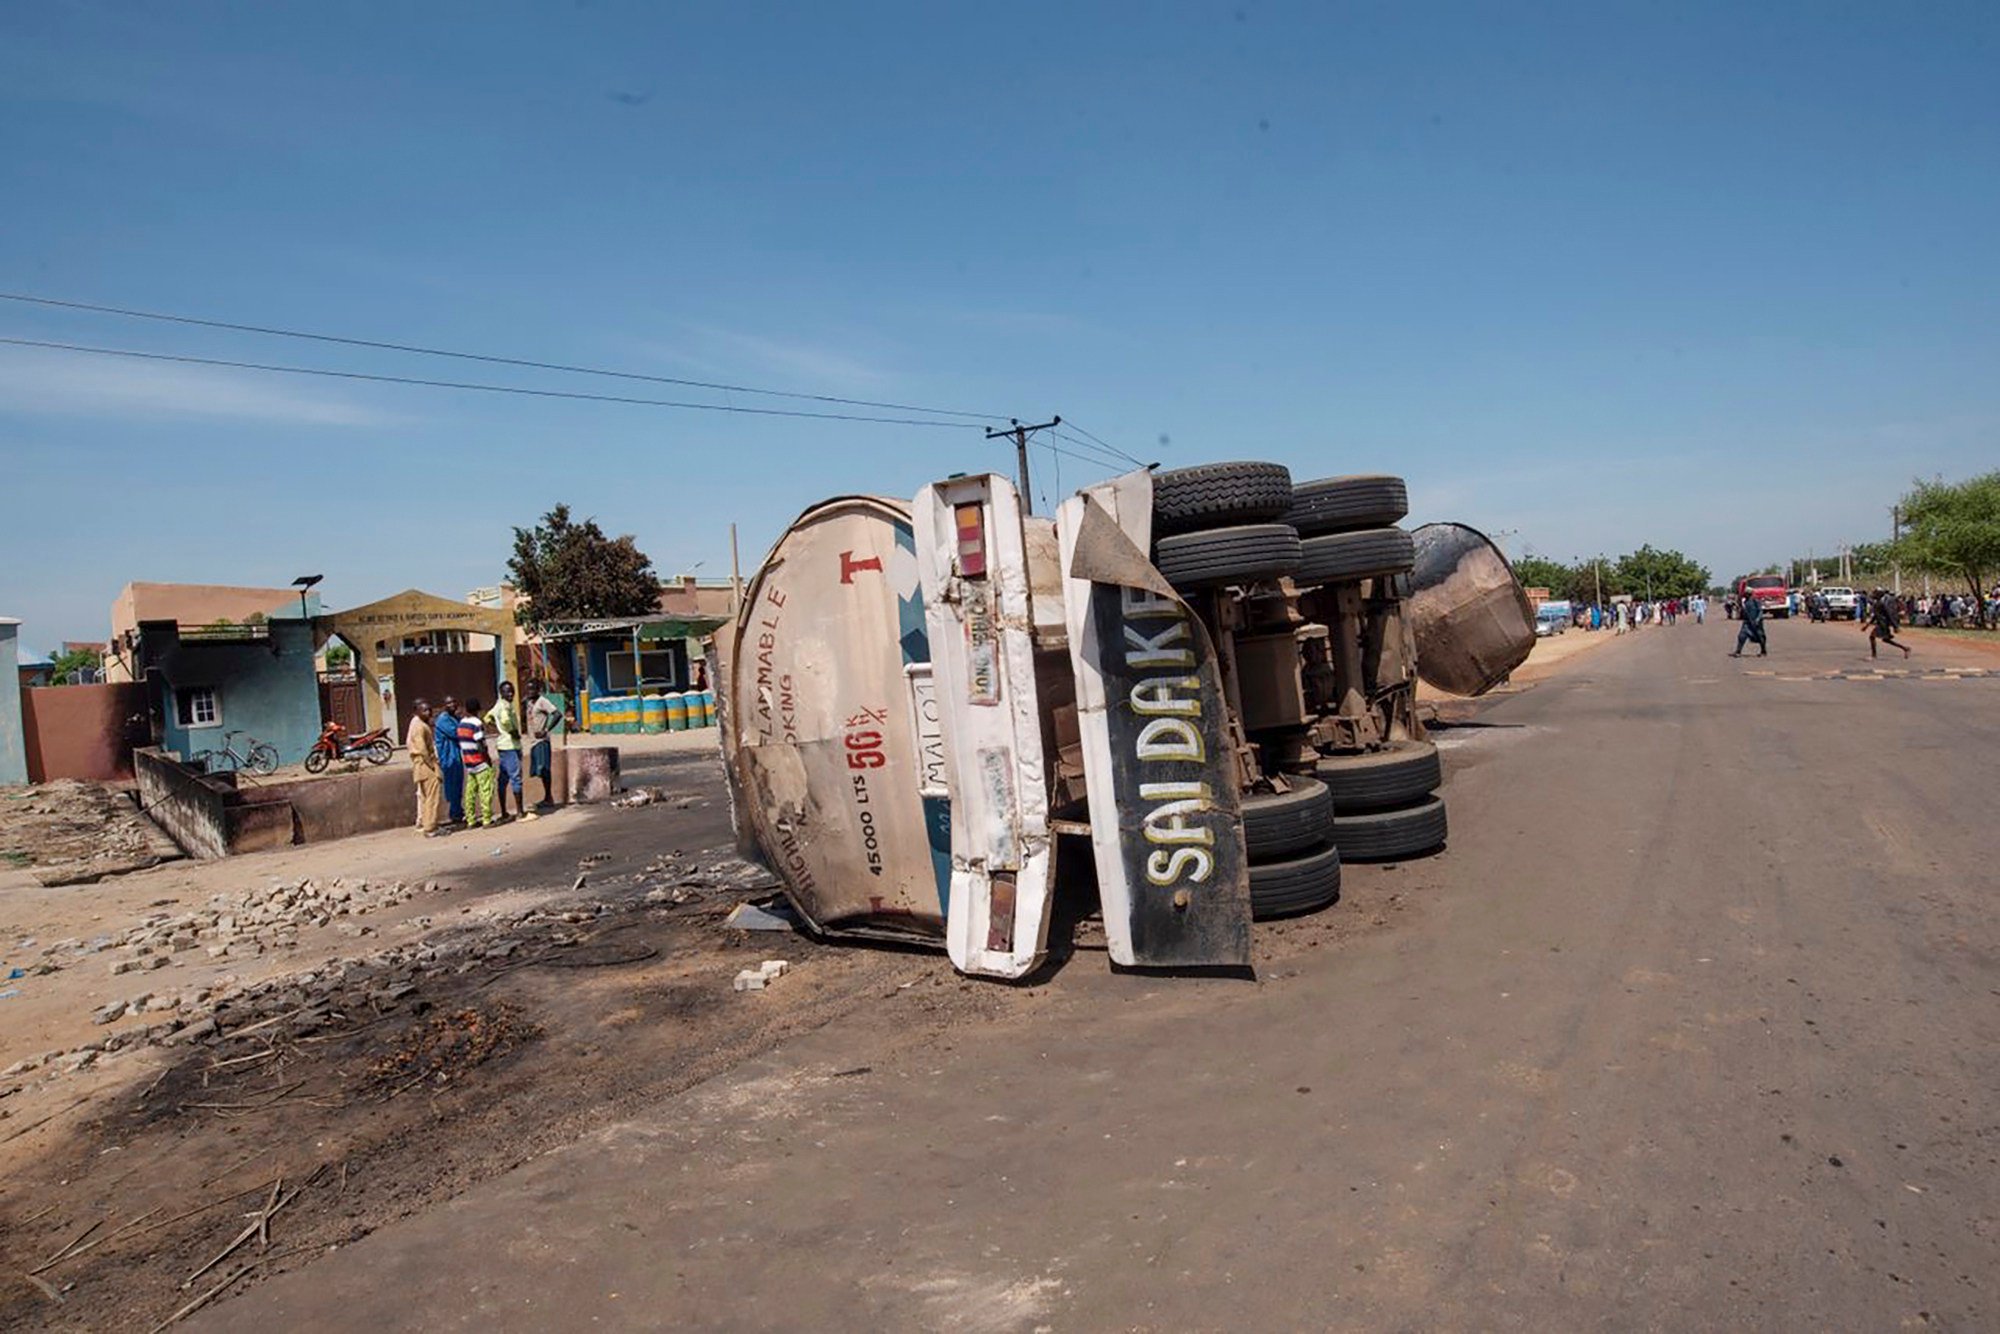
x=241, y=925
x=73, y=831
x=233, y=1019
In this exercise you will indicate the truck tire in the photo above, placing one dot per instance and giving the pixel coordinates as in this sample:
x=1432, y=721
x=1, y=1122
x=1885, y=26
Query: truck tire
x=1388, y=836
x=1381, y=779
x=1297, y=884
x=1365, y=554
x=1219, y=495
x=1279, y=824
x=1340, y=504
x=1239, y=555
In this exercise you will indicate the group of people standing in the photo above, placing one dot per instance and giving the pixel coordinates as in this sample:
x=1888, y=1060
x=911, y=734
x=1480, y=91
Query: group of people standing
x=1620, y=617
x=466, y=762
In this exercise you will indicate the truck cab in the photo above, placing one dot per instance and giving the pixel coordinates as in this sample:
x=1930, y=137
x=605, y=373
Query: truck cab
x=1769, y=589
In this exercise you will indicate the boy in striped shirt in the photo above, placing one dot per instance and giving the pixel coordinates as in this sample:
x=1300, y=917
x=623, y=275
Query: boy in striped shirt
x=480, y=784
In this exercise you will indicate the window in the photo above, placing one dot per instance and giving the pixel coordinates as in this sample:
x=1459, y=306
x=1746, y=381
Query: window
x=656, y=668
x=198, y=706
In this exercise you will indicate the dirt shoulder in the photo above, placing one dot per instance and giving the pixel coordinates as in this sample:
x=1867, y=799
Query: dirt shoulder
x=473, y=1007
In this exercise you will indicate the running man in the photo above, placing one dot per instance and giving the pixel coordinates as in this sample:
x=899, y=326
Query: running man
x=1882, y=624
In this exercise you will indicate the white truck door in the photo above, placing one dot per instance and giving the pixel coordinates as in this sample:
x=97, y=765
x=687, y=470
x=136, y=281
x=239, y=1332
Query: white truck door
x=973, y=565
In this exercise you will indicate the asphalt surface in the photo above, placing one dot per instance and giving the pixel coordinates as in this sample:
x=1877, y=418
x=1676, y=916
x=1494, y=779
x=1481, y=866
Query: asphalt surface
x=1699, y=1030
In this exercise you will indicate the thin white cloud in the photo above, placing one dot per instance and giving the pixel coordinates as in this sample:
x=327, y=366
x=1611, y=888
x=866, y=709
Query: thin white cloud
x=75, y=385
x=726, y=354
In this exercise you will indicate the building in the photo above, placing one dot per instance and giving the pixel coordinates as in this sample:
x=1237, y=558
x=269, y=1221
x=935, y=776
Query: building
x=13, y=747
x=34, y=667
x=207, y=681
x=416, y=644
x=190, y=605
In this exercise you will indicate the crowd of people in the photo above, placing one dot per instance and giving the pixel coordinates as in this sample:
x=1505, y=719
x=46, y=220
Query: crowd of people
x=1621, y=617
x=467, y=762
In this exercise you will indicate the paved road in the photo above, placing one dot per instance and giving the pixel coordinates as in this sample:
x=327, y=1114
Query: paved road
x=1724, y=1055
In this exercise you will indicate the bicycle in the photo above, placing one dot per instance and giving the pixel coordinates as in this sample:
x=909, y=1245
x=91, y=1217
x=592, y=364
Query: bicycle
x=259, y=757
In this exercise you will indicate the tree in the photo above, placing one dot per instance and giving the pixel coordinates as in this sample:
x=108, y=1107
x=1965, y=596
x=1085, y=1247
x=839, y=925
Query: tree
x=1541, y=572
x=339, y=657
x=1661, y=574
x=566, y=571
x=1953, y=529
x=69, y=662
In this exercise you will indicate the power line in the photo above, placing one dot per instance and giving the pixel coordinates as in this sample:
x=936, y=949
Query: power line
x=274, y=332
x=1091, y=459
x=1136, y=461
x=486, y=388
x=1110, y=458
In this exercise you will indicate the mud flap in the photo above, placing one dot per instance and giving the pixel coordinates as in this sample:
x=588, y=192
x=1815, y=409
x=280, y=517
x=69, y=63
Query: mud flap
x=1165, y=821
x=973, y=568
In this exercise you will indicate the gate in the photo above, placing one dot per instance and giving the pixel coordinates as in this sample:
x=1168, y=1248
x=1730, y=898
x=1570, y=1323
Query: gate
x=432, y=676
x=340, y=702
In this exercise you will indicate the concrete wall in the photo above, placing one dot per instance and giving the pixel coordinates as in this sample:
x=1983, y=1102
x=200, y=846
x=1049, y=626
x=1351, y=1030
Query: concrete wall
x=86, y=732
x=343, y=805
x=13, y=743
x=217, y=816
x=184, y=803
x=266, y=687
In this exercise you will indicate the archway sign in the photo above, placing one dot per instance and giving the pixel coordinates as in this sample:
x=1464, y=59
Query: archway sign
x=413, y=612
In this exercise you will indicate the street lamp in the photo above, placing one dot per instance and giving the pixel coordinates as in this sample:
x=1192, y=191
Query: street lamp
x=302, y=583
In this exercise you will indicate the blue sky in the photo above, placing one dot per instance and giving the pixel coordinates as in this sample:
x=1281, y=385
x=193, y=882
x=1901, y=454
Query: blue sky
x=1719, y=277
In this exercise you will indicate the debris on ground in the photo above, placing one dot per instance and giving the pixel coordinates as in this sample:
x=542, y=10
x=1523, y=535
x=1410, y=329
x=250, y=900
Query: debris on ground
x=776, y=915
x=762, y=976
x=72, y=832
x=447, y=1045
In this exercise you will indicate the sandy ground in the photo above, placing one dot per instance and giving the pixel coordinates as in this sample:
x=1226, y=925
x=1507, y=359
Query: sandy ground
x=380, y=1086
x=1654, y=1044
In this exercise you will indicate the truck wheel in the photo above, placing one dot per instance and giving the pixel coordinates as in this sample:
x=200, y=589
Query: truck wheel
x=1228, y=555
x=1387, y=836
x=1280, y=823
x=1298, y=884
x=1339, y=504
x=1365, y=554
x=1381, y=779
x=1216, y=495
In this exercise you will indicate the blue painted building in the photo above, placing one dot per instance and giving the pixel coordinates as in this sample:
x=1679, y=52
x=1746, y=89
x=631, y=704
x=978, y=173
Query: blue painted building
x=208, y=681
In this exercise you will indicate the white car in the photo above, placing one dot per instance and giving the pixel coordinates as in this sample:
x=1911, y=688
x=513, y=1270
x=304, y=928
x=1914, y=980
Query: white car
x=1842, y=604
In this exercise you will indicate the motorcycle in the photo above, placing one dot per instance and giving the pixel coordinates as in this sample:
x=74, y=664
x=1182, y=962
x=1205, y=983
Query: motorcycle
x=335, y=744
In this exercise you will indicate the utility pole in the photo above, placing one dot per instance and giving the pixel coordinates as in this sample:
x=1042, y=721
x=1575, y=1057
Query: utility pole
x=1896, y=536
x=1019, y=435
x=735, y=575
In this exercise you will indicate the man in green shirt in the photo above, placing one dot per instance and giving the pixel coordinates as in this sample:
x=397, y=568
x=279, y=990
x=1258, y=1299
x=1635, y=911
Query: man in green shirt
x=503, y=733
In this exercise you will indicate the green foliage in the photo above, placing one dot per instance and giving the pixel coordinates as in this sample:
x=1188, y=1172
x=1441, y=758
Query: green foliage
x=339, y=657
x=567, y=571
x=1953, y=529
x=1660, y=574
x=86, y=660
x=1541, y=572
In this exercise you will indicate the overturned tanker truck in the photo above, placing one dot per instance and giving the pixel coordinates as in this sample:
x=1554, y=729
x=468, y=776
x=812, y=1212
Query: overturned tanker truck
x=1190, y=694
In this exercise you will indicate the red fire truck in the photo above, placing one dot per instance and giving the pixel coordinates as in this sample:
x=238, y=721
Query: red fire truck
x=1769, y=589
